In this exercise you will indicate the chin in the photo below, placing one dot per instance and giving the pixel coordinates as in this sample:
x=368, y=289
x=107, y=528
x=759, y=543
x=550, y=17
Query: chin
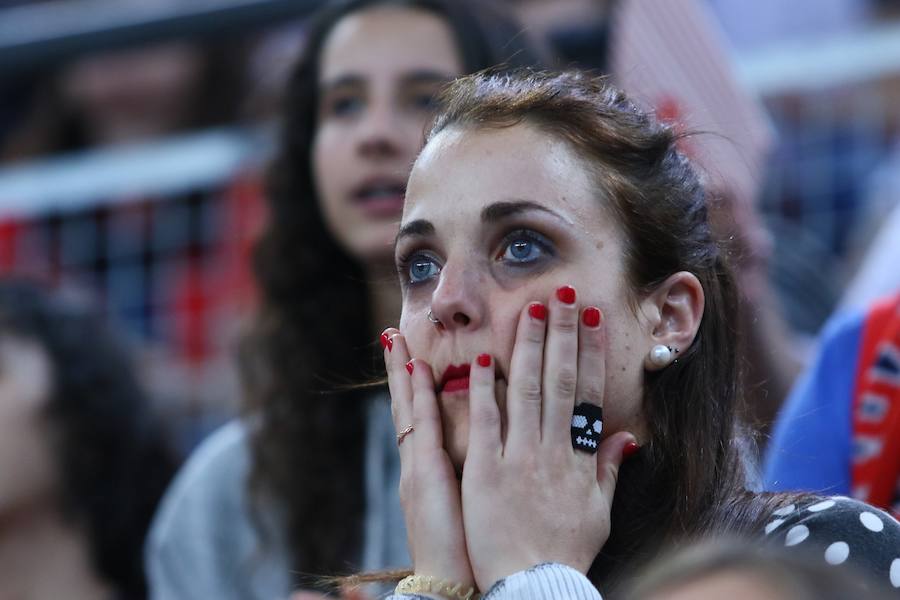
x=457, y=459
x=455, y=419
x=456, y=443
x=456, y=435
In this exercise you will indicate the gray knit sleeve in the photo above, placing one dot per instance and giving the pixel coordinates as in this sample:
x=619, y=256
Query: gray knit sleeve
x=548, y=581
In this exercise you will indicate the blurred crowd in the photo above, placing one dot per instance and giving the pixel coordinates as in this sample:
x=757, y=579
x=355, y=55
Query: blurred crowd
x=176, y=245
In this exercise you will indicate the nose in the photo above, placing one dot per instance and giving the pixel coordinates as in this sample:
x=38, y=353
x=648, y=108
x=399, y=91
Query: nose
x=380, y=134
x=458, y=301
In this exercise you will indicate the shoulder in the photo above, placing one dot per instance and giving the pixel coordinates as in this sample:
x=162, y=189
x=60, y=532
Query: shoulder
x=810, y=445
x=840, y=530
x=214, y=472
x=840, y=338
x=834, y=366
x=210, y=482
x=203, y=537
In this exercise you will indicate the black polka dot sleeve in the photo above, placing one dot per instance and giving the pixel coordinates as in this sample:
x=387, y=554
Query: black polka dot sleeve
x=841, y=531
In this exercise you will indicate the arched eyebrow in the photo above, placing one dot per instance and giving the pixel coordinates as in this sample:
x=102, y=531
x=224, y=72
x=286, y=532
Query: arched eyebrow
x=417, y=228
x=509, y=208
x=491, y=213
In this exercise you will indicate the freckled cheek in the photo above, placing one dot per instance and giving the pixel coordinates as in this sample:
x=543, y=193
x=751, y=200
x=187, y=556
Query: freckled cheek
x=503, y=340
x=505, y=313
x=417, y=337
x=624, y=372
x=623, y=395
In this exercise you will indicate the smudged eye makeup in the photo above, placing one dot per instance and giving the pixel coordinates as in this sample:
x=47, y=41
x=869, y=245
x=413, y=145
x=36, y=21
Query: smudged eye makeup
x=518, y=249
x=524, y=247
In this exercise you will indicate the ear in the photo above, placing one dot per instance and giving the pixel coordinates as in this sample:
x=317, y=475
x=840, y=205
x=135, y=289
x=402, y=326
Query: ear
x=674, y=311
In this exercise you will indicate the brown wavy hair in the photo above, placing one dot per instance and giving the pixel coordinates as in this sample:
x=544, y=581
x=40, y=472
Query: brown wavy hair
x=312, y=336
x=689, y=479
x=110, y=449
x=791, y=574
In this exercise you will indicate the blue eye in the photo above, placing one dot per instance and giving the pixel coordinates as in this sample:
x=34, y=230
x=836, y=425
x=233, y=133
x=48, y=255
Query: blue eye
x=422, y=269
x=522, y=250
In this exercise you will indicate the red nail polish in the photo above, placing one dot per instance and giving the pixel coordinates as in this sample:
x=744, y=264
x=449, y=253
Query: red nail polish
x=566, y=294
x=387, y=342
x=537, y=311
x=591, y=316
x=629, y=449
x=409, y=367
x=483, y=360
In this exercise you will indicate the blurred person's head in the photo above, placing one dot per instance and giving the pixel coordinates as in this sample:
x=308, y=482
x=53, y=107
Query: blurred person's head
x=356, y=108
x=378, y=72
x=134, y=94
x=360, y=98
x=739, y=570
x=130, y=95
x=77, y=440
x=575, y=31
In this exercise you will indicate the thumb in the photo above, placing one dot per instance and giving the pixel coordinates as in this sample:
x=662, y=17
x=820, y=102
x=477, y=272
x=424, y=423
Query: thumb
x=612, y=452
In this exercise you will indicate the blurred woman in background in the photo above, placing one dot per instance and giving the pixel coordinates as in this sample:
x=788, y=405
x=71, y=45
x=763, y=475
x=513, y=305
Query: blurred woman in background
x=307, y=482
x=127, y=96
x=82, y=462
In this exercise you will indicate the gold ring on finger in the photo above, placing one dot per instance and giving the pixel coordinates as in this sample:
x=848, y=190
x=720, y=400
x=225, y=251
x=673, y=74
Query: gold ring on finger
x=402, y=435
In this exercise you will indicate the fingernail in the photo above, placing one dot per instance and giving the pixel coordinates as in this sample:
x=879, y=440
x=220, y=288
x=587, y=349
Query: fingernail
x=409, y=367
x=483, y=360
x=566, y=294
x=537, y=311
x=387, y=342
x=591, y=316
x=629, y=449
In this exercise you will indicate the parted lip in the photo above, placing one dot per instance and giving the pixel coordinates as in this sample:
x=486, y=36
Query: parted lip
x=379, y=182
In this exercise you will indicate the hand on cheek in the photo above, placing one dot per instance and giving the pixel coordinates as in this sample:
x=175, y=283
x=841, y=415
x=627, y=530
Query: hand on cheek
x=532, y=497
x=429, y=490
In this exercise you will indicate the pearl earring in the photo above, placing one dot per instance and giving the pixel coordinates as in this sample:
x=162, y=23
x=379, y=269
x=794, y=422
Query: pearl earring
x=661, y=355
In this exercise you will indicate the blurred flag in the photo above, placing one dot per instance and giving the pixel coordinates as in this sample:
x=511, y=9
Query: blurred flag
x=672, y=56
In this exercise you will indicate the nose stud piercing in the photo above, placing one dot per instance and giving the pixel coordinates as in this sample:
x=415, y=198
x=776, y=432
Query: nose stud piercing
x=432, y=318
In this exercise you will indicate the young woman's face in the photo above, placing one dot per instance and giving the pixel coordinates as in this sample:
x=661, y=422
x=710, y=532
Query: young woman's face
x=496, y=219
x=27, y=471
x=379, y=71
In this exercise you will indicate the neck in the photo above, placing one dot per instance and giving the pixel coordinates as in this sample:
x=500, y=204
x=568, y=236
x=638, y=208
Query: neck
x=384, y=297
x=42, y=556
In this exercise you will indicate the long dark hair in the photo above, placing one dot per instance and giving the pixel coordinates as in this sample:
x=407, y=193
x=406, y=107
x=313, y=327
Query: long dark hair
x=689, y=478
x=314, y=327
x=111, y=452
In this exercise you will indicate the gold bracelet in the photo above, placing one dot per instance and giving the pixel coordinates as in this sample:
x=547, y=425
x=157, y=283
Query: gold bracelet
x=418, y=584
